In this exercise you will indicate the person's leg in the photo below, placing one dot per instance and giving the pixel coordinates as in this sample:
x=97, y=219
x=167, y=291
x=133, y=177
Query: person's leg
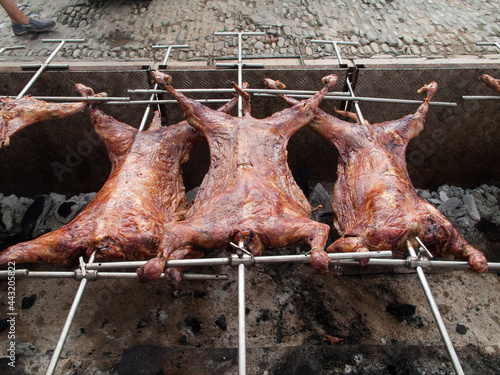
x=22, y=24
x=14, y=13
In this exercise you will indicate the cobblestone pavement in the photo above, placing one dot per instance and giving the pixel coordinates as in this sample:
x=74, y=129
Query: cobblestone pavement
x=126, y=29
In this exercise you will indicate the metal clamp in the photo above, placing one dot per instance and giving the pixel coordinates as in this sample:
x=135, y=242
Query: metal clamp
x=239, y=65
x=84, y=273
x=423, y=252
x=242, y=256
x=45, y=64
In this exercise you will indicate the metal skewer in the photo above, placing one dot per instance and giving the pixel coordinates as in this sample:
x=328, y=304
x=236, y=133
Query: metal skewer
x=47, y=62
x=240, y=60
x=356, y=105
x=479, y=97
x=9, y=48
x=257, y=92
x=366, y=99
x=165, y=59
x=377, y=258
x=69, y=319
x=98, y=275
x=301, y=258
x=437, y=316
x=242, y=345
x=496, y=44
x=81, y=98
x=223, y=90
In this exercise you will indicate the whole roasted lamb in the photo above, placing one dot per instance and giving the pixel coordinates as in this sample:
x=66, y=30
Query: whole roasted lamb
x=248, y=195
x=144, y=191
x=375, y=204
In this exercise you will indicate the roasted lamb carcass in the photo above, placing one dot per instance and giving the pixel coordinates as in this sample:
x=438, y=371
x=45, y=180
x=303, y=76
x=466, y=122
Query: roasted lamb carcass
x=490, y=82
x=248, y=195
x=375, y=204
x=144, y=191
x=16, y=114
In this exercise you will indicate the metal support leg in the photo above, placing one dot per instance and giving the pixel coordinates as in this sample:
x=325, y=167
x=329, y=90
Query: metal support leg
x=240, y=60
x=356, y=104
x=437, y=315
x=165, y=59
x=242, y=346
x=67, y=324
x=47, y=62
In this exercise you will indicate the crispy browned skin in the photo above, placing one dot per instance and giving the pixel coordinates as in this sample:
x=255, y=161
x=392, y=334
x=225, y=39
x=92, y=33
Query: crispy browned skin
x=16, y=114
x=143, y=192
x=249, y=193
x=490, y=82
x=375, y=204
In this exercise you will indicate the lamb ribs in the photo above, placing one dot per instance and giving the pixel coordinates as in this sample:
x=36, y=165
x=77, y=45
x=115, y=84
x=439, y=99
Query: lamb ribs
x=144, y=191
x=375, y=204
x=248, y=194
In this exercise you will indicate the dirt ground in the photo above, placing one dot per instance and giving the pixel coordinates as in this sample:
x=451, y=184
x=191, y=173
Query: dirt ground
x=381, y=316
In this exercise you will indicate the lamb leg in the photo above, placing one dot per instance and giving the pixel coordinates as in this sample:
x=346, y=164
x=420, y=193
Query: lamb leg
x=441, y=237
x=117, y=136
x=491, y=82
x=61, y=246
x=17, y=114
x=178, y=235
x=408, y=127
x=300, y=229
x=173, y=275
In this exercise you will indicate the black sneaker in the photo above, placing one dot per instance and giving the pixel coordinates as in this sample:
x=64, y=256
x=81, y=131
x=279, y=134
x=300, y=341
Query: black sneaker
x=34, y=26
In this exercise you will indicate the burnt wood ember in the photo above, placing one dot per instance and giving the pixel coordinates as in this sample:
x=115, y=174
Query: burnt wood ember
x=490, y=82
x=144, y=191
x=375, y=204
x=248, y=195
x=16, y=114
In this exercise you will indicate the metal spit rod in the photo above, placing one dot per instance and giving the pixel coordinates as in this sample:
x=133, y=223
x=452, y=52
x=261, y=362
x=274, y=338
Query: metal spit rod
x=97, y=275
x=437, y=316
x=335, y=47
x=497, y=44
x=424, y=263
x=479, y=97
x=47, y=62
x=257, y=92
x=240, y=59
x=8, y=48
x=376, y=259
x=271, y=91
x=165, y=59
x=303, y=258
x=242, y=345
x=168, y=101
x=356, y=104
x=365, y=99
x=82, y=98
x=69, y=320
